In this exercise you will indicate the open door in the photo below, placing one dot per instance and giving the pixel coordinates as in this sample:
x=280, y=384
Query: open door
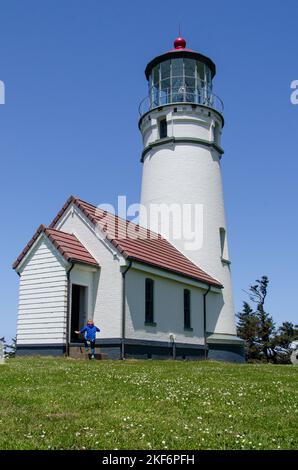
x=78, y=310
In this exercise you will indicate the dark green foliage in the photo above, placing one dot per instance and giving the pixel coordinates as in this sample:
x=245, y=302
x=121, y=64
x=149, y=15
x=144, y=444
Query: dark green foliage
x=248, y=329
x=286, y=333
x=256, y=326
x=258, y=294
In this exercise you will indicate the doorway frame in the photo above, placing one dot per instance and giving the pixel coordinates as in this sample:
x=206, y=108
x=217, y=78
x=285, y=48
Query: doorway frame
x=86, y=286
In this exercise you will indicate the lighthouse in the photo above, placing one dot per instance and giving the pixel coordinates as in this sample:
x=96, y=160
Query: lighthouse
x=181, y=122
x=159, y=293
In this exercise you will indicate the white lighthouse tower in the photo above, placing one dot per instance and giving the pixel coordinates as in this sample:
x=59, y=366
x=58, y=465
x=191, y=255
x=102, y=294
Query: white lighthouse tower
x=181, y=123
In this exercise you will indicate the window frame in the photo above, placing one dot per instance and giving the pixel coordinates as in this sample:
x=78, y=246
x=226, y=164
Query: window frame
x=176, y=74
x=187, y=309
x=149, y=302
x=222, y=238
x=163, y=125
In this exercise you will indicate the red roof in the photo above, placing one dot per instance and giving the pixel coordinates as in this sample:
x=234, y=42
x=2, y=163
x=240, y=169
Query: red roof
x=68, y=245
x=145, y=246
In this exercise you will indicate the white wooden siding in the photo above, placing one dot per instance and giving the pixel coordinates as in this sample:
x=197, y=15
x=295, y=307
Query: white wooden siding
x=168, y=309
x=107, y=299
x=43, y=297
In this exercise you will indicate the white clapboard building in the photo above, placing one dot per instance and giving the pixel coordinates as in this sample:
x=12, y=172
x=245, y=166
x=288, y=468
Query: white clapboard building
x=151, y=293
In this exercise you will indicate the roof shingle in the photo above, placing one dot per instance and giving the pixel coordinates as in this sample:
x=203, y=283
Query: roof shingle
x=67, y=244
x=145, y=246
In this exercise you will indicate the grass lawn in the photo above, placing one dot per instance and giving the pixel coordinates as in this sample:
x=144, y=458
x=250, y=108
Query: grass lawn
x=48, y=403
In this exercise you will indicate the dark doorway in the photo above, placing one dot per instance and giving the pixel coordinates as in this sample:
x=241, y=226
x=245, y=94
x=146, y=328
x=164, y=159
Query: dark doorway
x=78, y=310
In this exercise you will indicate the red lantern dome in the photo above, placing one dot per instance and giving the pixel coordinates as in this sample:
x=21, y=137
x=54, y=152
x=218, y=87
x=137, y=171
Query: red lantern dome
x=179, y=43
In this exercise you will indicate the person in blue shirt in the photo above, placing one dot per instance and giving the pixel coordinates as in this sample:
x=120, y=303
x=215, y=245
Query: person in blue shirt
x=89, y=333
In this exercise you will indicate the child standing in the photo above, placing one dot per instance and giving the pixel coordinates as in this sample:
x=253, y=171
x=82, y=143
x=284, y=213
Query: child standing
x=89, y=333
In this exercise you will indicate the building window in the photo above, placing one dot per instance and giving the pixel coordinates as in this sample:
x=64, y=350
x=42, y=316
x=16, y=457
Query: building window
x=149, y=299
x=163, y=131
x=187, y=322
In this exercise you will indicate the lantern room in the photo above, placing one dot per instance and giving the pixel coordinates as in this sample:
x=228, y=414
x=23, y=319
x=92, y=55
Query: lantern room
x=178, y=76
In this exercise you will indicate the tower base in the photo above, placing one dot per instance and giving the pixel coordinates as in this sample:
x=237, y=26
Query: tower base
x=224, y=347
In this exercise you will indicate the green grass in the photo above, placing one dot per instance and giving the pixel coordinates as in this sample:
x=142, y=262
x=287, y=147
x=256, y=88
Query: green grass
x=48, y=403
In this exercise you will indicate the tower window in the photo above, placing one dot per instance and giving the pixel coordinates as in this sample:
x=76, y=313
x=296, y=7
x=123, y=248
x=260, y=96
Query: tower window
x=222, y=235
x=163, y=128
x=187, y=322
x=149, y=300
x=216, y=133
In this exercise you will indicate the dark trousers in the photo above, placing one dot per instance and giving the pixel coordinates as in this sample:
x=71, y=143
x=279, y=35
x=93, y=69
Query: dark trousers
x=92, y=344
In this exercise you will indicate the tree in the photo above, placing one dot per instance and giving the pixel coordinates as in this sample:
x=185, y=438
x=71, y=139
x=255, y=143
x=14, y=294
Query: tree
x=255, y=325
x=286, y=333
x=248, y=330
x=257, y=294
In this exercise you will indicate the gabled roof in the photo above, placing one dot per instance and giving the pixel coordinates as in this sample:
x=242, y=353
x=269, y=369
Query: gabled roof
x=68, y=245
x=145, y=246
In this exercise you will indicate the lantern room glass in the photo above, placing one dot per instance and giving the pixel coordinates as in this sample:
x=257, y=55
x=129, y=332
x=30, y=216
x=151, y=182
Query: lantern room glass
x=180, y=80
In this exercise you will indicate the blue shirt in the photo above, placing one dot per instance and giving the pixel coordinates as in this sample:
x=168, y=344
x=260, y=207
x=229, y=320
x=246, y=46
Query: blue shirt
x=90, y=332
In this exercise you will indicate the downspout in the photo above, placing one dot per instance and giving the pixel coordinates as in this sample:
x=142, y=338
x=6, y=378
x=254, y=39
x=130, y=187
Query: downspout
x=205, y=321
x=68, y=319
x=17, y=334
x=122, y=356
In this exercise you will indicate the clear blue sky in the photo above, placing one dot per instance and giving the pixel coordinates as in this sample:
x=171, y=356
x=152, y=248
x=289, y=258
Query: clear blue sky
x=74, y=75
